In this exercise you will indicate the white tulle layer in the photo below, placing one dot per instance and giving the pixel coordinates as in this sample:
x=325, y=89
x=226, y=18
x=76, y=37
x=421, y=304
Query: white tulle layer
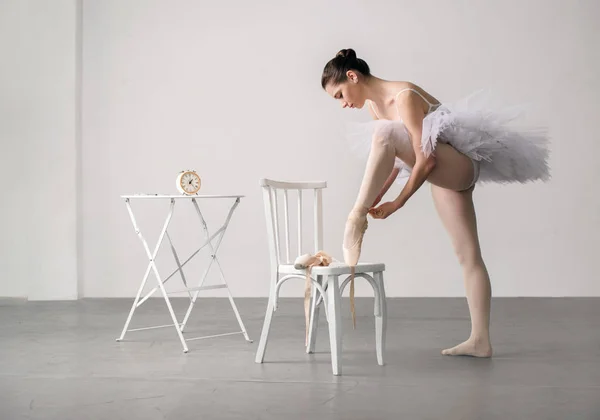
x=488, y=134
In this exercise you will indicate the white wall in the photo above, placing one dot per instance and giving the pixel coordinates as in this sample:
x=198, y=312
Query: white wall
x=232, y=89
x=38, y=124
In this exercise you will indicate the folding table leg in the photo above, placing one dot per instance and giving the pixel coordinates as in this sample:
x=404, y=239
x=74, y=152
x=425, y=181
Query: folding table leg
x=213, y=250
x=179, y=265
x=152, y=266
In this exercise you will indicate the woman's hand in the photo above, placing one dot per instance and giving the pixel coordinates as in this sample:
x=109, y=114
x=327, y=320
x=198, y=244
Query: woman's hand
x=385, y=210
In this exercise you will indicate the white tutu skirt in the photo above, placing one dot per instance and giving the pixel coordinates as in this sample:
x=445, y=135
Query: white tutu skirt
x=488, y=134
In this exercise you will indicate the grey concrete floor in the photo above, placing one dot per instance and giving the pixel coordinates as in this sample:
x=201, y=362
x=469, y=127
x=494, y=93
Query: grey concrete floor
x=59, y=360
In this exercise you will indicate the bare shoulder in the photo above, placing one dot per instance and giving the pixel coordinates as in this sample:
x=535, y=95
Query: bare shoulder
x=409, y=96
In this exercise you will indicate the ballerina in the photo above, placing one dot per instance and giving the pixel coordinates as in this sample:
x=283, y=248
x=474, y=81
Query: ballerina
x=454, y=146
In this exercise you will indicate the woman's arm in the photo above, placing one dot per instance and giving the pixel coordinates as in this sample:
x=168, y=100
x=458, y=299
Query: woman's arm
x=386, y=186
x=412, y=114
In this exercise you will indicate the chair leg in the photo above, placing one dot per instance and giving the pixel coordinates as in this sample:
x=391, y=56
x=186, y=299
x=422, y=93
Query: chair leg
x=380, y=319
x=314, y=318
x=264, y=336
x=335, y=323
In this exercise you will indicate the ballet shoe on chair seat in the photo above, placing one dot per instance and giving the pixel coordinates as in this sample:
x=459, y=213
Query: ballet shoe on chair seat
x=303, y=261
x=307, y=261
x=310, y=260
x=356, y=226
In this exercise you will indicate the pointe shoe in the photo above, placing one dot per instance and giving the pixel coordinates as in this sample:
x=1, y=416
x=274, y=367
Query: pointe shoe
x=304, y=261
x=310, y=260
x=356, y=226
x=307, y=261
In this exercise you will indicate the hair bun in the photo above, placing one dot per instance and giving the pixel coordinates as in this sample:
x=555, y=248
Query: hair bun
x=336, y=69
x=348, y=54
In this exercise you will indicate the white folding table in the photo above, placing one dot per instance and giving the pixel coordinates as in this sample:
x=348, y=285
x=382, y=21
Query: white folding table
x=217, y=236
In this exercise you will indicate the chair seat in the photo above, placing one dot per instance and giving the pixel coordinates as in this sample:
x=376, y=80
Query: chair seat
x=335, y=268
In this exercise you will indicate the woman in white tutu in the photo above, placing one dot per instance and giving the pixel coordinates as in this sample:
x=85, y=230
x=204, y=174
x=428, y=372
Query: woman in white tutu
x=454, y=146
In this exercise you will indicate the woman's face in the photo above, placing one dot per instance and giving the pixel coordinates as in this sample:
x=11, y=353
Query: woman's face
x=350, y=93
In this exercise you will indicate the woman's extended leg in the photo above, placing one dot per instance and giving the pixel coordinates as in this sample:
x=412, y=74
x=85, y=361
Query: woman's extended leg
x=453, y=171
x=457, y=212
x=379, y=166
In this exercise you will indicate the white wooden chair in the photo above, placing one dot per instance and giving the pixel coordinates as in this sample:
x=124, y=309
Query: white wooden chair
x=326, y=288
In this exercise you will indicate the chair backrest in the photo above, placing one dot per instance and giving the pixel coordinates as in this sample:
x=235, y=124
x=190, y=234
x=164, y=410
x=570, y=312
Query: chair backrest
x=274, y=214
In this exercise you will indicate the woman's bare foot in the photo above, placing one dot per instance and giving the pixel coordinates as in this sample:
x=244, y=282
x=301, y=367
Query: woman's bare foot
x=472, y=347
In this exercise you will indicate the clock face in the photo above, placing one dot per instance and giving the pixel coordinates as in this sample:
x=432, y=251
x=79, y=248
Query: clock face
x=190, y=182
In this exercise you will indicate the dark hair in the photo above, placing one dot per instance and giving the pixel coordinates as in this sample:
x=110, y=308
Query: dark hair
x=335, y=70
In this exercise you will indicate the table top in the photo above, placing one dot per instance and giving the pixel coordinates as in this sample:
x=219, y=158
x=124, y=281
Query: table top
x=179, y=196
